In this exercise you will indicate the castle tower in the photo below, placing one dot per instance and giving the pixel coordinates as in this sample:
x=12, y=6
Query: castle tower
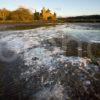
x=43, y=10
x=47, y=15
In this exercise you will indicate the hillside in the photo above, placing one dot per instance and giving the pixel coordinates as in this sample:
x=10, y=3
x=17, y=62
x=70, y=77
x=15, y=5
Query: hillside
x=88, y=18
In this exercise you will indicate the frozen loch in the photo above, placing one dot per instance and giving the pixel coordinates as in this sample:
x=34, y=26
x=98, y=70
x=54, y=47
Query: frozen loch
x=51, y=63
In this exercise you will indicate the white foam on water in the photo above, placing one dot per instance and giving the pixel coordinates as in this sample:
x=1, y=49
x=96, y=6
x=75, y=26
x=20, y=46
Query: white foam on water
x=29, y=42
x=36, y=56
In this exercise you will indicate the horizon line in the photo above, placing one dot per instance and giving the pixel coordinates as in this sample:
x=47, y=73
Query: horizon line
x=63, y=16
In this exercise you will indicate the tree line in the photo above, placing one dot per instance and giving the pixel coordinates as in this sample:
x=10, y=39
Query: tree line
x=20, y=14
x=88, y=18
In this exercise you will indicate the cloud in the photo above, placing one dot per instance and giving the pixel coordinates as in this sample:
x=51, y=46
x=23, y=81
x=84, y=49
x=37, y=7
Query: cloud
x=24, y=6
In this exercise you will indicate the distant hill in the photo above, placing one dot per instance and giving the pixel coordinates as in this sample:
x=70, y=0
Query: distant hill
x=88, y=18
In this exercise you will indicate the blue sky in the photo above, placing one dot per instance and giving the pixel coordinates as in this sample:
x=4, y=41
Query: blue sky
x=61, y=7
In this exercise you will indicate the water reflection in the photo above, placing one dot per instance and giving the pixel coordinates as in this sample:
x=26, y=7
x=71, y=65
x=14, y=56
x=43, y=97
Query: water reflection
x=74, y=47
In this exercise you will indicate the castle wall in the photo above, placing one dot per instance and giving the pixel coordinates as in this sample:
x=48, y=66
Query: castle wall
x=47, y=15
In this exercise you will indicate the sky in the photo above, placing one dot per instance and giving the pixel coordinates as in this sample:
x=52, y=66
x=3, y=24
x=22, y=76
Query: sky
x=63, y=8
